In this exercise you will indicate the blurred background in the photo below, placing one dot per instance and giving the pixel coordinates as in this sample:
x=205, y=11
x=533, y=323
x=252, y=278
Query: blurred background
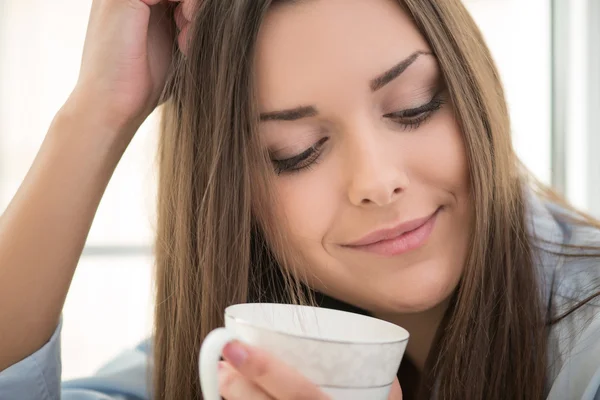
x=548, y=53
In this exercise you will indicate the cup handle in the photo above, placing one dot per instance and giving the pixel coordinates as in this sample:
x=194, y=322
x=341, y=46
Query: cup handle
x=208, y=361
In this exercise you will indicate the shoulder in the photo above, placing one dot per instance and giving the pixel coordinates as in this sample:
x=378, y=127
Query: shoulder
x=568, y=254
x=574, y=358
x=577, y=269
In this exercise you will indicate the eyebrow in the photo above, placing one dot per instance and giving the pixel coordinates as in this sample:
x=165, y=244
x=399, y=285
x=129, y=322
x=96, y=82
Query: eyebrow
x=294, y=114
x=396, y=70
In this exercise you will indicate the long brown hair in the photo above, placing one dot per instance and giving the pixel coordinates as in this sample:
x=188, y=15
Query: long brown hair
x=216, y=246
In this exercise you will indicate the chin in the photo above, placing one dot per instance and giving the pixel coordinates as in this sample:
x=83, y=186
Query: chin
x=412, y=291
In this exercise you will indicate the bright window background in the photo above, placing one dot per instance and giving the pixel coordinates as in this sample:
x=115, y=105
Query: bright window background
x=579, y=79
x=518, y=34
x=109, y=306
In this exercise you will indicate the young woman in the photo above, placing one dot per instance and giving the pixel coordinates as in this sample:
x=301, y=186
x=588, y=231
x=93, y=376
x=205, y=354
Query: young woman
x=355, y=154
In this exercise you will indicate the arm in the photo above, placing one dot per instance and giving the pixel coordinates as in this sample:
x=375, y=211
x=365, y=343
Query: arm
x=43, y=230
x=126, y=58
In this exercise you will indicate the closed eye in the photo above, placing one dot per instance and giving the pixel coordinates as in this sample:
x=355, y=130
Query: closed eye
x=301, y=161
x=413, y=118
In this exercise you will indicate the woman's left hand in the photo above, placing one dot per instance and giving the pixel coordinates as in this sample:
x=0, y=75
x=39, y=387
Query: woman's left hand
x=250, y=373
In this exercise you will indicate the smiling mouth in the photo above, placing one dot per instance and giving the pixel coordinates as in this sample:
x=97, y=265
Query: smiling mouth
x=402, y=239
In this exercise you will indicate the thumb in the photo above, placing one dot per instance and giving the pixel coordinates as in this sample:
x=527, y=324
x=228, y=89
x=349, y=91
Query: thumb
x=395, y=391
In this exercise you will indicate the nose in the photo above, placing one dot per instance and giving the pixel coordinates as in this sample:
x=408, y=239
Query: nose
x=378, y=177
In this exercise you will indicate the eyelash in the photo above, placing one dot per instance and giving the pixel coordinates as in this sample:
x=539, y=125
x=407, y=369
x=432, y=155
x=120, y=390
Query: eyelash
x=305, y=160
x=310, y=157
x=412, y=119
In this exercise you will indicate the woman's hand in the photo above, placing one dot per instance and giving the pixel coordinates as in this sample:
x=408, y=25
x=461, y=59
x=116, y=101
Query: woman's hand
x=250, y=373
x=183, y=16
x=126, y=59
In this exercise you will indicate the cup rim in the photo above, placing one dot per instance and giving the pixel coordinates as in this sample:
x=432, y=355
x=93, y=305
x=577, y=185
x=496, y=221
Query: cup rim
x=240, y=320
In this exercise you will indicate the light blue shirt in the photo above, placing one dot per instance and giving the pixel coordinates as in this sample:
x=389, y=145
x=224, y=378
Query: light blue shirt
x=573, y=346
x=38, y=377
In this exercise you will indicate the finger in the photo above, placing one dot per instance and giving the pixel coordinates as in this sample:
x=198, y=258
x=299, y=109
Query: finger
x=154, y=2
x=180, y=20
x=188, y=8
x=182, y=39
x=272, y=375
x=234, y=386
x=395, y=391
x=151, y=2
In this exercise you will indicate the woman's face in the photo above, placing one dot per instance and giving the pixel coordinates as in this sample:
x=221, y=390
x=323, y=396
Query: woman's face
x=372, y=178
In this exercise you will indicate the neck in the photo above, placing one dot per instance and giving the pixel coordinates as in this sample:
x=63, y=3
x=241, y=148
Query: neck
x=422, y=327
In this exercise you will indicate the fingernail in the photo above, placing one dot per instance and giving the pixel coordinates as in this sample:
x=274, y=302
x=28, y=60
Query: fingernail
x=235, y=353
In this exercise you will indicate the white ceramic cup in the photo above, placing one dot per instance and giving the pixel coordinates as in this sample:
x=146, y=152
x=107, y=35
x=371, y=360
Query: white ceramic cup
x=349, y=356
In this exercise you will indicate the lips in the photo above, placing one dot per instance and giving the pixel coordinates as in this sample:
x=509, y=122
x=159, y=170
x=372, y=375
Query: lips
x=390, y=233
x=397, y=240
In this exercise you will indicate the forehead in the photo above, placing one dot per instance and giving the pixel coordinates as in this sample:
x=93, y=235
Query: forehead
x=308, y=44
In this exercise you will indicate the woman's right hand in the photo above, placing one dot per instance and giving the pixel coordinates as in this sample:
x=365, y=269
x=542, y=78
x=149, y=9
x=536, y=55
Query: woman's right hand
x=126, y=60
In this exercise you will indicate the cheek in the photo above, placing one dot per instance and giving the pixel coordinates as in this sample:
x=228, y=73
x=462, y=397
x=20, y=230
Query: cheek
x=307, y=202
x=437, y=158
